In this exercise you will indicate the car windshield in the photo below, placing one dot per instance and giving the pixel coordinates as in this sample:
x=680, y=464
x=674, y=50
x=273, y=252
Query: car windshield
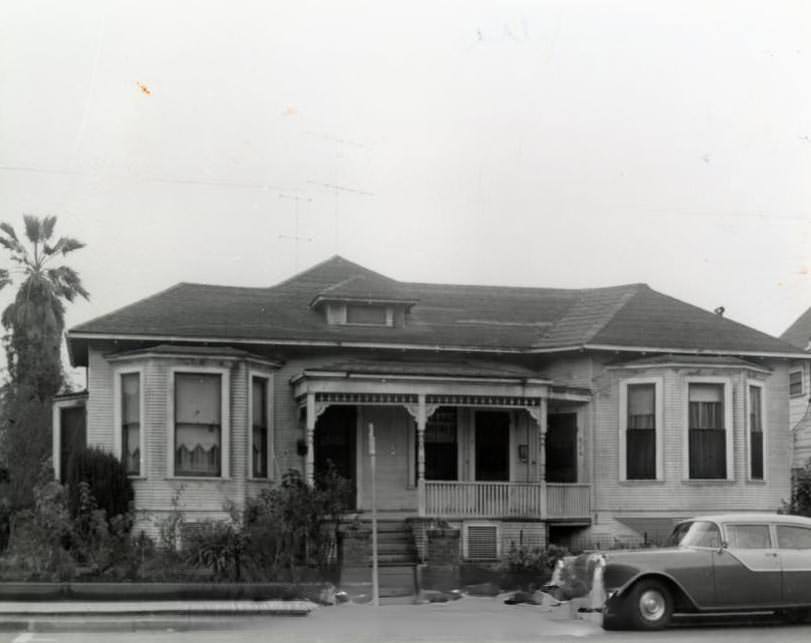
x=699, y=533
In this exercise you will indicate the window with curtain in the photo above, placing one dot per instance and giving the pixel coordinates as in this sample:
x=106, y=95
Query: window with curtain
x=640, y=436
x=259, y=425
x=198, y=424
x=755, y=433
x=707, y=431
x=131, y=422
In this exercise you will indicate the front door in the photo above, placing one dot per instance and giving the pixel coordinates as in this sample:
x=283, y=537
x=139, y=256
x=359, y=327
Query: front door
x=561, y=447
x=492, y=446
x=334, y=442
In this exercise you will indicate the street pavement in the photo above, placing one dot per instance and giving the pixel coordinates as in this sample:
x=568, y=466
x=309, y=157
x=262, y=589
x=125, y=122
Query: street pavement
x=470, y=619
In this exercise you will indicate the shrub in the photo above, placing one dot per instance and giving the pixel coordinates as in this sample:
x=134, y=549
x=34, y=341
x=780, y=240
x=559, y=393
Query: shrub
x=536, y=560
x=800, y=502
x=215, y=545
x=294, y=525
x=40, y=536
x=107, y=478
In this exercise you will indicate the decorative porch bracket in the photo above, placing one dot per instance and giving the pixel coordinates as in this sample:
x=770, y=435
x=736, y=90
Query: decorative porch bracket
x=421, y=412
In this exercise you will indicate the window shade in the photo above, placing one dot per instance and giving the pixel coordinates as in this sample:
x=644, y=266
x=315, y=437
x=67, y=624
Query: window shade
x=130, y=398
x=706, y=393
x=197, y=399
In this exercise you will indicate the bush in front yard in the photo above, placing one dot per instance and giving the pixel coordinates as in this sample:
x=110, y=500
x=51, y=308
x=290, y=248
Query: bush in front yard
x=216, y=545
x=294, y=526
x=107, y=478
x=525, y=566
x=800, y=502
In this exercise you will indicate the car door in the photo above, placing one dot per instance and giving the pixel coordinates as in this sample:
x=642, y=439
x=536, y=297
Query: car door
x=794, y=542
x=747, y=569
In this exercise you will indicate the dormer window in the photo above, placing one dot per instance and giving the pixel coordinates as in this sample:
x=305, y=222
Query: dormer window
x=368, y=315
x=356, y=314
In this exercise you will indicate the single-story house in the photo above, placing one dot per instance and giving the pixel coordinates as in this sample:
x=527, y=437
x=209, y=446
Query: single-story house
x=520, y=415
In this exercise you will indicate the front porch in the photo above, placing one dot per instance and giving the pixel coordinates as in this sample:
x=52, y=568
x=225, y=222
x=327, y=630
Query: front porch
x=450, y=447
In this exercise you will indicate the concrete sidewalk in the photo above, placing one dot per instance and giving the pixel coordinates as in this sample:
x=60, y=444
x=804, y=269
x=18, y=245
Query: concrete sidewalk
x=124, y=615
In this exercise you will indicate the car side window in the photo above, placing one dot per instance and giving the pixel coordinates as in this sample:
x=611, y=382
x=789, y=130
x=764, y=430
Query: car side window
x=707, y=535
x=748, y=537
x=793, y=537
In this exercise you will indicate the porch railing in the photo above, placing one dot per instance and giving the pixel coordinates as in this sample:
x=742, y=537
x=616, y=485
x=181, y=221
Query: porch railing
x=567, y=500
x=505, y=500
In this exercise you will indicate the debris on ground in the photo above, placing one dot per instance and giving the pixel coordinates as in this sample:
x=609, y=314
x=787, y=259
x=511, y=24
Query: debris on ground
x=483, y=589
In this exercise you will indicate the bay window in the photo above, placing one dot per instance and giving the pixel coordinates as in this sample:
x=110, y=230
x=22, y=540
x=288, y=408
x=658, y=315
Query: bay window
x=755, y=432
x=707, y=430
x=640, y=429
x=200, y=400
x=259, y=427
x=131, y=422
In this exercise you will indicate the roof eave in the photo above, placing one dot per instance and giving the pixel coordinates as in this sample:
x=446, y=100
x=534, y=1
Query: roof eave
x=697, y=351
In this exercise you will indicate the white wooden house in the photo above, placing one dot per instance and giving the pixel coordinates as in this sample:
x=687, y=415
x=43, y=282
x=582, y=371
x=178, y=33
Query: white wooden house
x=518, y=414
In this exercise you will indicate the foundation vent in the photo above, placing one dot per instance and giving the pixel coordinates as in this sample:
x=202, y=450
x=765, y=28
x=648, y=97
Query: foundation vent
x=482, y=542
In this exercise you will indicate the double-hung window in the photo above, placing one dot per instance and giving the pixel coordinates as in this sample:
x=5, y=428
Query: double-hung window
x=755, y=432
x=200, y=427
x=640, y=429
x=129, y=439
x=259, y=427
x=131, y=422
x=708, y=422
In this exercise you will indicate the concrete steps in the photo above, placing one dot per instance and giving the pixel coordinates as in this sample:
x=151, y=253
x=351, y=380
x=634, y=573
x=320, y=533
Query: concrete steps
x=397, y=560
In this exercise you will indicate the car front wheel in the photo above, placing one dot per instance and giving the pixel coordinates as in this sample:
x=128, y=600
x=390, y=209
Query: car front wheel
x=650, y=605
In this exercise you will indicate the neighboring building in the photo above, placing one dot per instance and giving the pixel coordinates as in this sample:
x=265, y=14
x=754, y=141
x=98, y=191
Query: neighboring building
x=799, y=335
x=520, y=414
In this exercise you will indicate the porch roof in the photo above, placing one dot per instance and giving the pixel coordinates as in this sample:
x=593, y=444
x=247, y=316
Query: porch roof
x=461, y=383
x=450, y=370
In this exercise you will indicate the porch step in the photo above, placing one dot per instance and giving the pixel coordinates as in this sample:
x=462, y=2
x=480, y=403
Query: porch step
x=395, y=544
x=394, y=581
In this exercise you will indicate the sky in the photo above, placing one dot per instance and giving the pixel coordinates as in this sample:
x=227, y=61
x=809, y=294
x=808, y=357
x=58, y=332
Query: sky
x=557, y=144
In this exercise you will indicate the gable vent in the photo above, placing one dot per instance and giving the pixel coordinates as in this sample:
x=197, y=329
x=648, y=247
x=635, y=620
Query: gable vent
x=482, y=542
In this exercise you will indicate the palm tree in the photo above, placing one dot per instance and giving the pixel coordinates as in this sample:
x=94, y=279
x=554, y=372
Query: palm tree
x=34, y=322
x=35, y=319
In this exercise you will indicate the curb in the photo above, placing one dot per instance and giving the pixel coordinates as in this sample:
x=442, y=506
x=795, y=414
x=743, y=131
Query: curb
x=127, y=617
x=91, y=623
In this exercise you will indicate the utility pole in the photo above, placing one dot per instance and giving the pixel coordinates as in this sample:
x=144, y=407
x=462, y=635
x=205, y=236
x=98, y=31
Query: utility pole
x=295, y=237
x=373, y=467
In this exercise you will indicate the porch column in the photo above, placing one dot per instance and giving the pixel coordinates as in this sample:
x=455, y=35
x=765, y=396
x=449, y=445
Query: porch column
x=421, y=454
x=309, y=434
x=540, y=470
x=539, y=414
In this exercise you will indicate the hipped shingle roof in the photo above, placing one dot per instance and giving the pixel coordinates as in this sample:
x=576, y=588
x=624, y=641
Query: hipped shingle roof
x=443, y=316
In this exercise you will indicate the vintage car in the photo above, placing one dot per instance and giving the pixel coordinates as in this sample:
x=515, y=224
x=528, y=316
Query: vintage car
x=740, y=562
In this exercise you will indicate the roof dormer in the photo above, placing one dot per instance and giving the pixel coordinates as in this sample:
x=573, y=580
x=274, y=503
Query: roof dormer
x=364, y=300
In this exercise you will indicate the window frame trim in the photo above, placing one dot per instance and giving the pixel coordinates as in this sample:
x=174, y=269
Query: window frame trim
x=118, y=373
x=225, y=420
x=764, y=449
x=658, y=390
x=268, y=379
x=729, y=425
